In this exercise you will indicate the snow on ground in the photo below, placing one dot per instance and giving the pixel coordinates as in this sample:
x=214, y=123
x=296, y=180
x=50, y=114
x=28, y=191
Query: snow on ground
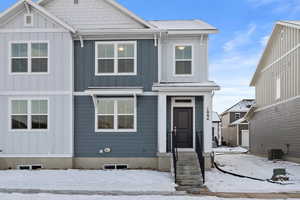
x=70, y=197
x=253, y=166
x=230, y=150
x=92, y=180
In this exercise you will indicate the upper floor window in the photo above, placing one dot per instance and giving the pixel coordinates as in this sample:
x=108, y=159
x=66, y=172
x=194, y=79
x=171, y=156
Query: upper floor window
x=115, y=58
x=29, y=114
x=28, y=20
x=29, y=57
x=183, y=59
x=116, y=115
x=237, y=116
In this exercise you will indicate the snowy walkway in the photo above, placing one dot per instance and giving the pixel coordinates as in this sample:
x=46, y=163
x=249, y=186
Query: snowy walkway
x=70, y=197
x=253, y=166
x=88, y=180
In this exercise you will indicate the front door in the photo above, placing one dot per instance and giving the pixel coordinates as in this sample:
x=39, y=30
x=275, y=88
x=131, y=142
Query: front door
x=183, y=124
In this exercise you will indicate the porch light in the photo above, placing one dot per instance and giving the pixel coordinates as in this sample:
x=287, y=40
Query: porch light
x=121, y=48
x=181, y=48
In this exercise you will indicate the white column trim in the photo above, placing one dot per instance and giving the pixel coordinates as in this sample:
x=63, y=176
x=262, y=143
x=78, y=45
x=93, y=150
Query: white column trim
x=207, y=124
x=162, y=123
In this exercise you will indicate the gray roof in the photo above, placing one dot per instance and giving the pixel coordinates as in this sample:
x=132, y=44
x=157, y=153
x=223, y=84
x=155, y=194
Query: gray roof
x=242, y=106
x=182, y=25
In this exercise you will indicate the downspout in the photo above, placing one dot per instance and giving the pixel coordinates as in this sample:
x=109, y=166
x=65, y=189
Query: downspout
x=81, y=41
x=238, y=135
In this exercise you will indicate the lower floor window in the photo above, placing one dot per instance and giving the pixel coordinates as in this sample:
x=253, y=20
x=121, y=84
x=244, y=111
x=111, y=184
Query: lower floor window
x=29, y=114
x=115, y=114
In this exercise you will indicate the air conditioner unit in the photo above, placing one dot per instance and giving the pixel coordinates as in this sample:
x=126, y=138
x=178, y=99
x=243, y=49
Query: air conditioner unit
x=275, y=154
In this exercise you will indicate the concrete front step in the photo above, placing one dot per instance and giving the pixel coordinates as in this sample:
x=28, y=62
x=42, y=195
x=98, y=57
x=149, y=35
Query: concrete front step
x=196, y=183
x=189, y=177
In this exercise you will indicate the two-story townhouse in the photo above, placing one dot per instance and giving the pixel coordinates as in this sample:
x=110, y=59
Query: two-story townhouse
x=35, y=88
x=135, y=82
x=275, y=119
x=235, y=129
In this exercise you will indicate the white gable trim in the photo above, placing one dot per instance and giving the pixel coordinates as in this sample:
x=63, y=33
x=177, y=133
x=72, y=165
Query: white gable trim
x=258, y=69
x=120, y=8
x=42, y=11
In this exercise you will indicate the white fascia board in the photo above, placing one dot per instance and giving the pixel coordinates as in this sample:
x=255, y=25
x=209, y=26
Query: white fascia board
x=191, y=32
x=12, y=8
x=187, y=88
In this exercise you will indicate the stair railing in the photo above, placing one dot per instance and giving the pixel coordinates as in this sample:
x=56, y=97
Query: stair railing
x=174, y=152
x=199, y=151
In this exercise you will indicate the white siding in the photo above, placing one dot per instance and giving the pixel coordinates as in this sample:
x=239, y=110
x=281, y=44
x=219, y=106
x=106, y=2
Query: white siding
x=39, y=21
x=90, y=14
x=56, y=141
x=56, y=86
x=59, y=77
x=200, y=59
x=281, y=60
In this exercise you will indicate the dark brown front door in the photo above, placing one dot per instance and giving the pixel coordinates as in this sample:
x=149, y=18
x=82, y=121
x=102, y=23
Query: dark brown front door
x=183, y=122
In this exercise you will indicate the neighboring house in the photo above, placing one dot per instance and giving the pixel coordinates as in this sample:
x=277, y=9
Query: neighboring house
x=216, y=129
x=275, y=119
x=89, y=84
x=234, y=125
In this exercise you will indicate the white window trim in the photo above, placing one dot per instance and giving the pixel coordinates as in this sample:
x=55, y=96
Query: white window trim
x=174, y=60
x=116, y=73
x=116, y=130
x=29, y=129
x=29, y=57
x=25, y=21
x=278, y=88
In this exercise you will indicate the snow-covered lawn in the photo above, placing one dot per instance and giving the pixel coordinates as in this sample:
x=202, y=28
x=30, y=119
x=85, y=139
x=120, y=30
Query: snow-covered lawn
x=90, y=180
x=230, y=150
x=70, y=197
x=253, y=166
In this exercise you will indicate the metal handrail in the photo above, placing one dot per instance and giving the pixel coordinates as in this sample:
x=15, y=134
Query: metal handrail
x=199, y=151
x=174, y=152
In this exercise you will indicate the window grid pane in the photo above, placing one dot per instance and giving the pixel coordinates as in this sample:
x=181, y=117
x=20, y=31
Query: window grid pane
x=19, y=50
x=183, y=52
x=39, y=50
x=105, y=121
x=39, y=121
x=126, y=106
x=106, y=51
x=39, y=107
x=183, y=67
x=19, y=107
x=125, y=50
x=125, y=121
x=105, y=107
x=19, y=122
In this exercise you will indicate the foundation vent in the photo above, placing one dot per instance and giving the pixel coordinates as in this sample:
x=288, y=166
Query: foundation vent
x=115, y=166
x=29, y=167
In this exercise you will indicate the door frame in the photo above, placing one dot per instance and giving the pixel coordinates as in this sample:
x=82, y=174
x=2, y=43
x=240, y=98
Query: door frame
x=175, y=104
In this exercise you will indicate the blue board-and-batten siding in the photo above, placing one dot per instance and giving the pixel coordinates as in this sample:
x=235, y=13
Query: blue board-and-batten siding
x=142, y=143
x=147, y=68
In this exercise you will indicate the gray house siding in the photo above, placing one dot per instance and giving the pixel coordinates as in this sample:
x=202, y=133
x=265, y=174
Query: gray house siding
x=143, y=143
x=147, y=66
x=277, y=127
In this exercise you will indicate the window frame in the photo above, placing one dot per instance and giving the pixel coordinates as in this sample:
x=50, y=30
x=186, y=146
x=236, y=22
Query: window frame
x=235, y=116
x=25, y=20
x=29, y=114
x=29, y=57
x=116, y=58
x=115, y=116
x=175, y=60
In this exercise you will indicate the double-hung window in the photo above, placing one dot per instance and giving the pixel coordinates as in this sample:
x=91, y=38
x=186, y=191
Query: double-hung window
x=115, y=58
x=116, y=115
x=29, y=114
x=183, y=60
x=29, y=57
